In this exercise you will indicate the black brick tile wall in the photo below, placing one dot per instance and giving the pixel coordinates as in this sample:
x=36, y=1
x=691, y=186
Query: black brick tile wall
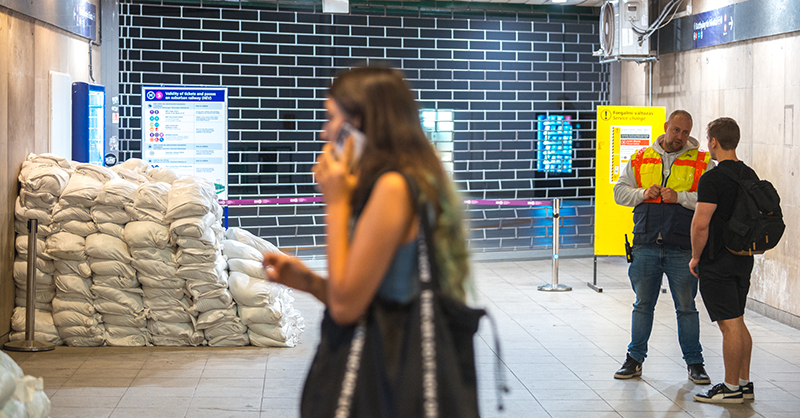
x=497, y=69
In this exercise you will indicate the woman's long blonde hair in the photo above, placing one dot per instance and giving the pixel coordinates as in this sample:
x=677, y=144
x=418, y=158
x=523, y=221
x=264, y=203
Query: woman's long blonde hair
x=385, y=105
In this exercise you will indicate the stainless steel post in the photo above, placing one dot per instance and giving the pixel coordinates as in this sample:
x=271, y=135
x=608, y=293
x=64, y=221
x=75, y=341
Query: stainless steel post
x=554, y=286
x=29, y=344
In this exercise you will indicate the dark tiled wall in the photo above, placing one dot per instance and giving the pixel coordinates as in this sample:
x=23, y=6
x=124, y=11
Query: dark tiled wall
x=496, y=69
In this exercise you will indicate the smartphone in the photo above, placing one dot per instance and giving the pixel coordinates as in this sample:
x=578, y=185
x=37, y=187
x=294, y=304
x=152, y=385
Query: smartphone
x=349, y=131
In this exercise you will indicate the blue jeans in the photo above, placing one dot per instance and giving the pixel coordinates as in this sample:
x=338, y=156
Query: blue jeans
x=650, y=263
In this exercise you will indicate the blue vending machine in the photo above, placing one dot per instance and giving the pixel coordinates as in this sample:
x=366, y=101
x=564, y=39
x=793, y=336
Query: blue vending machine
x=88, y=123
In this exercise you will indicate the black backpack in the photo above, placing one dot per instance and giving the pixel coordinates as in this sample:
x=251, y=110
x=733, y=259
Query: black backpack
x=756, y=224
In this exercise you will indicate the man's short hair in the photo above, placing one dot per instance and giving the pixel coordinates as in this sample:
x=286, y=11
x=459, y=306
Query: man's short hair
x=725, y=131
x=680, y=113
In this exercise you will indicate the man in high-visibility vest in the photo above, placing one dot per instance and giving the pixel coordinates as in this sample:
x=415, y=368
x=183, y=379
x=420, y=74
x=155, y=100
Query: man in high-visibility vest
x=660, y=182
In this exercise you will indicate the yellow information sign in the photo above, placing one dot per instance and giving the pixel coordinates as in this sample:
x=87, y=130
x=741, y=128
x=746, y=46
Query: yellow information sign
x=621, y=131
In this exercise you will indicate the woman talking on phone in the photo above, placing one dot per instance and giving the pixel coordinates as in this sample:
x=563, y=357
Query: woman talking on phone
x=373, y=184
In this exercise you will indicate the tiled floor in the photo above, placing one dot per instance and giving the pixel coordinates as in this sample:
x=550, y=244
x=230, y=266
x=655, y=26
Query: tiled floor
x=560, y=351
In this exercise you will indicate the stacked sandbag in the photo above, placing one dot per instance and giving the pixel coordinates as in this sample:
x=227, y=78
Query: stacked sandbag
x=264, y=307
x=44, y=328
x=74, y=311
x=21, y=396
x=115, y=283
x=195, y=216
x=42, y=179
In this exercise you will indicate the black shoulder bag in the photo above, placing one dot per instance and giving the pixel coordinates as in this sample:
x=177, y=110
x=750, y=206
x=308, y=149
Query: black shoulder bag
x=399, y=360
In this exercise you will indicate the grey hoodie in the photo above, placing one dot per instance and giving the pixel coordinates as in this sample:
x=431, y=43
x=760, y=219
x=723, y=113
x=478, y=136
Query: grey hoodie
x=627, y=193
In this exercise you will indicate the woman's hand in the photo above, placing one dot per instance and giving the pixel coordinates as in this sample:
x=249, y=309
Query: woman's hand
x=289, y=271
x=334, y=177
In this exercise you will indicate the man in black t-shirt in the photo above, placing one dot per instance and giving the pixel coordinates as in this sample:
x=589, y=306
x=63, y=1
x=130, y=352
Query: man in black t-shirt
x=724, y=277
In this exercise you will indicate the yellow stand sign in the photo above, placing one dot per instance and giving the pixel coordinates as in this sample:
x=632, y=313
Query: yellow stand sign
x=621, y=131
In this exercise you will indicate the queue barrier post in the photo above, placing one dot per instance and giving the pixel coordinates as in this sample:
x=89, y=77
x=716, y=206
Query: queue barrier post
x=555, y=286
x=29, y=344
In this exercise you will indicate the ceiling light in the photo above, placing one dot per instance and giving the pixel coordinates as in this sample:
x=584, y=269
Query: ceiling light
x=558, y=1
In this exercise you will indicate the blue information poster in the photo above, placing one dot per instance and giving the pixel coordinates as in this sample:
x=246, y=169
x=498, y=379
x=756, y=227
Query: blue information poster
x=554, y=144
x=185, y=129
x=713, y=27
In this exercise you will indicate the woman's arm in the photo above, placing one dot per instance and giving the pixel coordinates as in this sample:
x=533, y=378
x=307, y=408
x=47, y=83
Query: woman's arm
x=289, y=271
x=357, y=268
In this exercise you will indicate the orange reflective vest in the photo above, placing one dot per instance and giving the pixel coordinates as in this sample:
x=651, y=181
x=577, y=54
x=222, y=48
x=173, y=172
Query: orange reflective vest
x=684, y=174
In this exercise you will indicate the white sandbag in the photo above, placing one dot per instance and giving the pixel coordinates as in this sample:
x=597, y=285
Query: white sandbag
x=232, y=327
x=119, y=282
x=68, y=332
x=136, y=165
x=215, y=317
x=162, y=282
x=175, y=315
x=122, y=301
x=154, y=293
x=45, y=266
x=48, y=158
x=111, y=268
x=281, y=332
x=164, y=255
x=106, y=247
x=43, y=178
x=8, y=383
x=110, y=214
x=235, y=249
x=269, y=314
x=21, y=277
x=185, y=333
x=197, y=288
x=118, y=192
x=117, y=331
x=237, y=340
x=194, y=227
x=43, y=321
x=81, y=306
x=209, y=272
x=161, y=174
x=152, y=195
x=63, y=212
x=129, y=176
x=134, y=321
x=37, y=200
x=190, y=196
x=74, y=286
x=217, y=300
x=252, y=291
x=95, y=341
x=38, y=336
x=42, y=231
x=262, y=341
x=85, y=184
x=186, y=256
x=13, y=409
x=30, y=391
x=155, y=268
x=137, y=340
x=21, y=245
x=65, y=319
x=208, y=242
x=146, y=234
x=80, y=268
x=249, y=267
x=43, y=216
x=115, y=230
x=80, y=228
x=166, y=303
x=66, y=246
x=248, y=238
x=146, y=215
x=41, y=300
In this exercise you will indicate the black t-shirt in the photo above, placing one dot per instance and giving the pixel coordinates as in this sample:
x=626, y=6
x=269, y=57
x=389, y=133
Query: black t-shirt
x=718, y=188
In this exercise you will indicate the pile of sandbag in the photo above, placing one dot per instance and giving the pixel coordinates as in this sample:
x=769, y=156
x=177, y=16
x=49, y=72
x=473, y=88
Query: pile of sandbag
x=21, y=396
x=42, y=179
x=264, y=307
x=74, y=311
x=45, y=329
x=195, y=216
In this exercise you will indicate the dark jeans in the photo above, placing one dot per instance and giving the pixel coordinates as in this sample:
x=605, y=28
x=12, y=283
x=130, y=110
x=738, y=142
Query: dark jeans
x=650, y=263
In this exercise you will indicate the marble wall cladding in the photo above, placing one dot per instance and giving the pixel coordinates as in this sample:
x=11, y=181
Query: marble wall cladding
x=30, y=51
x=757, y=83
